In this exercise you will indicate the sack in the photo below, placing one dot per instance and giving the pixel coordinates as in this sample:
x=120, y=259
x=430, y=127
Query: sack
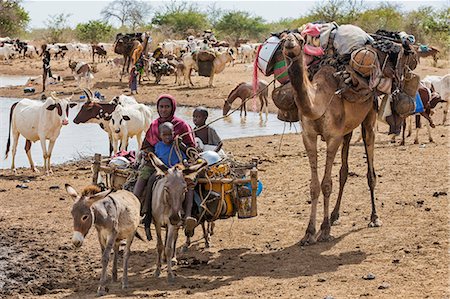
x=404, y=104
x=284, y=98
x=349, y=38
x=206, y=56
x=205, y=68
x=411, y=84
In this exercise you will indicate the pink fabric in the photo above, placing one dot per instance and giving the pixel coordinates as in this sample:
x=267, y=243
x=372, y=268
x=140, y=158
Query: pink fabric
x=313, y=51
x=179, y=125
x=311, y=29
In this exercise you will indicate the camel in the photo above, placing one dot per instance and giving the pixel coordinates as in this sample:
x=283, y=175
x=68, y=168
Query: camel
x=334, y=119
x=218, y=66
x=126, y=45
x=244, y=91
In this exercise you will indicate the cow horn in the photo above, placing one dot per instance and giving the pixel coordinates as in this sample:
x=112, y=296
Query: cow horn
x=53, y=95
x=86, y=92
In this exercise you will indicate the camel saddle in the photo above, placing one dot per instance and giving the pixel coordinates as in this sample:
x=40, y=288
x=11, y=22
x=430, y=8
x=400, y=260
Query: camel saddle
x=205, y=60
x=284, y=98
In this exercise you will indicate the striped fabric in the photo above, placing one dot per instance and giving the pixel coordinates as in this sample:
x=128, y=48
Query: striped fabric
x=280, y=72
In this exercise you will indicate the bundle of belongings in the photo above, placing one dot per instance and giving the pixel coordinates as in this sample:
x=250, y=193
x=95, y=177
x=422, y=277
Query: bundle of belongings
x=367, y=65
x=205, y=60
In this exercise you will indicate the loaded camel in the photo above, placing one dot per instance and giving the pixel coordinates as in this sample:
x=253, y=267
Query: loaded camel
x=126, y=45
x=334, y=119
x=218, y=66
x=244, y=91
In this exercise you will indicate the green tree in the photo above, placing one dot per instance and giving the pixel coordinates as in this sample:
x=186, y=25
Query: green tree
x=386, y=16
x=94, y=31
x=56, y=25
x=130, y=13
x=13, y=18
x=240, y=24
x=181, y=18
x=340, y=11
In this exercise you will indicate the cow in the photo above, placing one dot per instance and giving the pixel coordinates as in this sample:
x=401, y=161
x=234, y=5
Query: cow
x=81, y=70
x=93, y=111
x=35, y=121
x=100, y=51
x=115, y=65
x=128, y=121
x=440, y=84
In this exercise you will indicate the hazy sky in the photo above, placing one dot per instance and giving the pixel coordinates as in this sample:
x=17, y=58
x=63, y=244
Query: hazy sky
x=85, y=10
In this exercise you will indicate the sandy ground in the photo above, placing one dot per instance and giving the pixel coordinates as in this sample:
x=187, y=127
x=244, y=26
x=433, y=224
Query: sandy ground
x=258, y=257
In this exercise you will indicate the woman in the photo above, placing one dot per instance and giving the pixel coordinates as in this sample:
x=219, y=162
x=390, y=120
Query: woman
x=166, y=106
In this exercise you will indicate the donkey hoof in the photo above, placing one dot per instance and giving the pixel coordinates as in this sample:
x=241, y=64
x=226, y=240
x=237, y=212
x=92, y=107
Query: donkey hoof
x=184, y=249
x=170, y=278
x=375, y=223
x=101, y=291
x=124, y=285
x=157, y=273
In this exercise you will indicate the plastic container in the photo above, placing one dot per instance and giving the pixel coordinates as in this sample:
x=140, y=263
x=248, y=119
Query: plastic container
x=29, y=90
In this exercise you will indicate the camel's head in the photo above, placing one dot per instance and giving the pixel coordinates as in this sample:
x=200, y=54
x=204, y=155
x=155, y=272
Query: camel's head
x=293, y=44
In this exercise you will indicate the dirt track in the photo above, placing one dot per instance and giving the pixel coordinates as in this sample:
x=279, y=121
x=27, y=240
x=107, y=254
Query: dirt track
x=257, y=257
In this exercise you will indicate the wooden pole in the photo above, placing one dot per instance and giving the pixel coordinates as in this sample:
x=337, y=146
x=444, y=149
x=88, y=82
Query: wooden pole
x=254, y=184
x=96, y=168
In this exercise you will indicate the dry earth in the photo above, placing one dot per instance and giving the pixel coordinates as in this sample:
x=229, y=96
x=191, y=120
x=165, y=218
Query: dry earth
x=258, y=257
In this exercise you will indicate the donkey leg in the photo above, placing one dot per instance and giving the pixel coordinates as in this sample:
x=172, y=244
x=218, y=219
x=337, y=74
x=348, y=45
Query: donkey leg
x=418, y=126
x=105, y=260
x=116, y=257
x=171, y=231
x=369, y=145
x=327, y=187
x=126, y=256
x=403, y=132
x=343, y=174
x=310, y=142
x=429, y=133
x=205, y=235
x=160, y=248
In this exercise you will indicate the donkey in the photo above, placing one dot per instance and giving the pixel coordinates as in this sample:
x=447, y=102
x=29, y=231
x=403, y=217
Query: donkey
x=244, y=91
x=167, y=204
x=116, y=218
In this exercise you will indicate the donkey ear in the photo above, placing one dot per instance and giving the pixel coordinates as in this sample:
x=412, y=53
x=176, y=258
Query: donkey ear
x=161, y=168
x=72, y=192
x=92, y=199
x=192, y=171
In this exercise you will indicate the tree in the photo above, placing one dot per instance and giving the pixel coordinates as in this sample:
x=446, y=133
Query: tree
x=56, y=25
x=340, y=11
x=128, y=12
x=386, y=16
x=181, y=18
x=240, y=24
x=94, y=31
x=13, y=18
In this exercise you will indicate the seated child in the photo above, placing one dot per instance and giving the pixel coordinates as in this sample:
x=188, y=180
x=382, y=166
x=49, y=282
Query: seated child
x=165, y=149
x=207, y=134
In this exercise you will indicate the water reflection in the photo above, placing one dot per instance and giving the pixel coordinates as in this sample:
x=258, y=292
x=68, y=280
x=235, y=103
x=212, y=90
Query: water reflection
x=76, y=141
x=13, y=80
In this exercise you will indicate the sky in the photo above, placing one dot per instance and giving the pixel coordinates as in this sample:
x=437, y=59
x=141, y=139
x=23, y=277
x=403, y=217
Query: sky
x=83, y=11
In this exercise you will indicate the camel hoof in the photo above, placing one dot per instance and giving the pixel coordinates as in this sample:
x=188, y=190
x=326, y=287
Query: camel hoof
x=335, y=222
x=325, y=238
x=376, y=223
x=35, y=170
x=308, y=239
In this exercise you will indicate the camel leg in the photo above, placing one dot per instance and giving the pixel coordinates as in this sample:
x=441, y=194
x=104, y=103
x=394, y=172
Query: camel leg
x=418, y=126
x=369, y=145
x=429, y=133
x=327, y=186
x=310, y=142
x=410, y=126
x=343, y=174
x=403, y=132
x=445, y=112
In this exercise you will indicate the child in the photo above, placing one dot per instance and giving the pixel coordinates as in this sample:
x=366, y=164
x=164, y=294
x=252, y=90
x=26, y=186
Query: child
x=206, y=134
x=165, y=149
x=133, y=80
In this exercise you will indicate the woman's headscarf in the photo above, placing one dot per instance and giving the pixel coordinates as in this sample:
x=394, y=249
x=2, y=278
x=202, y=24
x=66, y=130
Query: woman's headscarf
x=179, y=125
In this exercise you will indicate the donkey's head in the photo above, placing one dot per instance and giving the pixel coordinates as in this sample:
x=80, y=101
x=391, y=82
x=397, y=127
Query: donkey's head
x=174, y=190
x=83, y=216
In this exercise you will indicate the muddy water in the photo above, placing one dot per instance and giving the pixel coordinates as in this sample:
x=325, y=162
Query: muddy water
x=78, y=141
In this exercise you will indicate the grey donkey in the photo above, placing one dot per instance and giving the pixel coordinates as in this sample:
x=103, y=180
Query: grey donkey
x=116, y=218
